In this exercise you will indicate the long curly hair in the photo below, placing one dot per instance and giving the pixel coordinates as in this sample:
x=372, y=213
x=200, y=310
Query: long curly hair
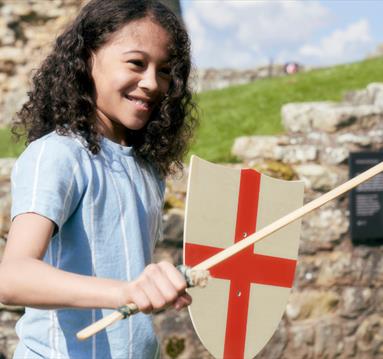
x=62, y=94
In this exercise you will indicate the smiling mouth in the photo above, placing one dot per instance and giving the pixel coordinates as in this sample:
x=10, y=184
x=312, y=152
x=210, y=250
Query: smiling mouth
x=140, y=104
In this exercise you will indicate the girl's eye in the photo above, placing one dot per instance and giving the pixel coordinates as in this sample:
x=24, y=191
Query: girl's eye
x=165, y=71
x=137, y=63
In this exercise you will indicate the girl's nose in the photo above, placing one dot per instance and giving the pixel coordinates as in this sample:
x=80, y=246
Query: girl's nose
x=149, y=80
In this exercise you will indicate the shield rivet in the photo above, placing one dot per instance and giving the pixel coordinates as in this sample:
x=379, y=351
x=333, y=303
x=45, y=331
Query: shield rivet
x=239, y=293
x=244, y=235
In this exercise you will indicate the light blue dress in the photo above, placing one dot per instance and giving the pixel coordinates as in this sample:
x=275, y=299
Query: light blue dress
x=107, y=208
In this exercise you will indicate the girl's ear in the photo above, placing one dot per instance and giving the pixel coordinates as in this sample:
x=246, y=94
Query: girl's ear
x=90, y=63
x=91, y=60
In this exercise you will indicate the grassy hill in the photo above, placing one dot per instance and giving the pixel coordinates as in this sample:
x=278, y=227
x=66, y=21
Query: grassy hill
x=255, y=108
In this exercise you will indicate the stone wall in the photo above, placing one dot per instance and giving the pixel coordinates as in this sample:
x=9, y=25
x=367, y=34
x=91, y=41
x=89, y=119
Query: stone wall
x=27, y=30
x=335, y=309
x=209, y=79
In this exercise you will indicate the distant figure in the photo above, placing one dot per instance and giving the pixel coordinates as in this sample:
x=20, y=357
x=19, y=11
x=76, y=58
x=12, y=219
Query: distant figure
x=292, y=68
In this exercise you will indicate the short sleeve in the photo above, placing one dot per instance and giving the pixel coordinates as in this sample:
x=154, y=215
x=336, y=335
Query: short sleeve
x=47, y=179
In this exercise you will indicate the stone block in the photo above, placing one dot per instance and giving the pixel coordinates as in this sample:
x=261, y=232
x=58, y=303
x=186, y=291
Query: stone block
x=277, y=344
x=329, y=339
x=355, y=301
x=251, y=147
x=371, y=95
x=323, y=229
x=173, y=228
x=268, y=147
x=176, y=334
x=299, y=117
x=369, y=336
x=311, y=304
x=5, y=214
x=317, y=177
x=301, y=339
x=335, y=155
x=360, y=140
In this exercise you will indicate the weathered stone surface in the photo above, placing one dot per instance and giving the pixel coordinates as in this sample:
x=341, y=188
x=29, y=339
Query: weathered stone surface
x=369, y=336
x=349, y=350
x=173, y=228
x=371, y=95
x=174, y=200
x=27, y=31
x=355, y=300
x=11, y=308
x=277, y=344
x=6, y=165
x=178, y=182
x=254, y=147
x=275, y=169
x=336, y=307
x=379, y=300
x=299, y=117
x=328, y=338
x=317, y=177
x=296, y=154
x=323, y=229
x=330, y=116
x=8, y=340
x=170, y=254
x=2, y=247
x=208, y=79
x=177, y=336
x=335, y=156
x=311, y=304
x=360, y=140
x=376, y=136
x=267, y=147
x=5, y=214
x=302, y=339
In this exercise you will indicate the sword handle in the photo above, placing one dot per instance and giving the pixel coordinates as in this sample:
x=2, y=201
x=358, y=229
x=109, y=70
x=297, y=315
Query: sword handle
x=99, y=325
x=193, y=278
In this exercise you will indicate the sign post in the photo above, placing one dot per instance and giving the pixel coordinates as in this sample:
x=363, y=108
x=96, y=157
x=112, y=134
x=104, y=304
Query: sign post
x=366, y=200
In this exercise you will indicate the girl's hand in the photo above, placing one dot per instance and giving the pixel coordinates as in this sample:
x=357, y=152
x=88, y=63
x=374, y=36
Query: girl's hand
x=157, y=287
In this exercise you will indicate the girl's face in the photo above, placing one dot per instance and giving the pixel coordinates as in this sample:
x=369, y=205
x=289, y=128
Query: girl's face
x=131, y=75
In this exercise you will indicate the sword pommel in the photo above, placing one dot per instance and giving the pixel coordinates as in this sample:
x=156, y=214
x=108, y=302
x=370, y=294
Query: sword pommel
x=194, y=278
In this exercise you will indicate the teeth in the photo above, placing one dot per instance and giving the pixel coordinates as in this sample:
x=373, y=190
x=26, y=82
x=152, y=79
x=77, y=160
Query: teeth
x=138, y=102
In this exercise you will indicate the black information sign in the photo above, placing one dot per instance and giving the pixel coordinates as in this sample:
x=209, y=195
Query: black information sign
x=366, y=200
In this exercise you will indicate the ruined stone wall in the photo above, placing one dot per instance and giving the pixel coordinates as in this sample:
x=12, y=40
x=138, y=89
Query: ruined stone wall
x=27, y=31
x=335, y=309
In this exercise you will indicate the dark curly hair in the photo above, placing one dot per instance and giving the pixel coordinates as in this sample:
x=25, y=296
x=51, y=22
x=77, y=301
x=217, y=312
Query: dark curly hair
x=61, y=97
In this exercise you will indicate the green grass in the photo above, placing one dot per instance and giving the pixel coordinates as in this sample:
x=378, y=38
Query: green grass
x=254, y=109
x=8, y=147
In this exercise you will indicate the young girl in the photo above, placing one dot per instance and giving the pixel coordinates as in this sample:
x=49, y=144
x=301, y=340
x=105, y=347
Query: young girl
x=109, y=115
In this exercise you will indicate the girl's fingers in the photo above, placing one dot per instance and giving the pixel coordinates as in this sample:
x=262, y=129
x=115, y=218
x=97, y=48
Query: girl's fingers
x=174, y=276
x=139, y=298
x=151, y=290
x=159, y=285
x=182, y=301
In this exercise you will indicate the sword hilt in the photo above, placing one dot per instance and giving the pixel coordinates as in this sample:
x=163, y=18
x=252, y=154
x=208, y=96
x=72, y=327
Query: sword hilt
x=193, y=278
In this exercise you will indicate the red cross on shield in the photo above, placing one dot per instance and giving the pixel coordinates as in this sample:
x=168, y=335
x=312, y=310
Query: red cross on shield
x=238, y=312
